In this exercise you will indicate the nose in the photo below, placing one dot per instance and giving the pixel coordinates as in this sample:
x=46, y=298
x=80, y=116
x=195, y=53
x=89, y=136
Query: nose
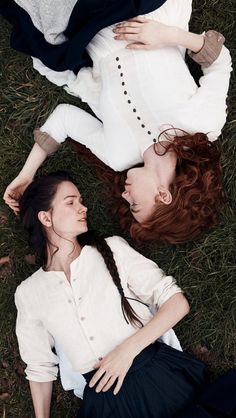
x=83, y=209
x=126, y=195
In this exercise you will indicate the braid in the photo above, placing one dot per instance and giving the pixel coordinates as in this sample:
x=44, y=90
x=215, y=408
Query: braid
x=103, y=248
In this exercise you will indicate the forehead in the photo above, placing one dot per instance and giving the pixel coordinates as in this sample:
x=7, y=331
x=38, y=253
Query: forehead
x=66, y=188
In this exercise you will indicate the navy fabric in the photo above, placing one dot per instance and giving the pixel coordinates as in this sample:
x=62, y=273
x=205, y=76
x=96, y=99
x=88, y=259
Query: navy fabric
x=220, y=397
x=87, y=18
x=161, y=382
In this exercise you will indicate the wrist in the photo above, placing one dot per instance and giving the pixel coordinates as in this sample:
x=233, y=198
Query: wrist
x=189, y=40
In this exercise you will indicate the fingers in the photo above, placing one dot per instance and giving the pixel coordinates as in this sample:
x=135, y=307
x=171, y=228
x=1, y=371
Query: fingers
x=110, y=383
x=119, y=384
x=105, y=381
x=96, y=377
x=128, y=37
x=127, y=29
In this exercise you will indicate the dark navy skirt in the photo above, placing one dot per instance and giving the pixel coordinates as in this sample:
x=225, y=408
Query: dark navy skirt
x=88, y=17
x=161, y=382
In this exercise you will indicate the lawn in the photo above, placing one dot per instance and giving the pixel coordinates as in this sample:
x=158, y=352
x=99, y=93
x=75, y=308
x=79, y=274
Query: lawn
x=205, y=269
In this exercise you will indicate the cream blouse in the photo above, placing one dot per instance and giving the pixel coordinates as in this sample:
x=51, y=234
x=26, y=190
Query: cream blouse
x=84, y=317
x=138, y=94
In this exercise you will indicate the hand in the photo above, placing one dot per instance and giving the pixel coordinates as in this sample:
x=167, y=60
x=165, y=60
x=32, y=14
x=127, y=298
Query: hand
x=113, y=367
x=142, y=33
x=15, y=190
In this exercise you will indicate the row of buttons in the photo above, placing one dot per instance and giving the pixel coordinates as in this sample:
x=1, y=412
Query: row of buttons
x=130, y=102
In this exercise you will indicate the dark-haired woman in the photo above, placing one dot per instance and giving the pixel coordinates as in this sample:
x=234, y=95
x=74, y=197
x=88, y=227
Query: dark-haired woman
x=139, y=95
x=91, y=299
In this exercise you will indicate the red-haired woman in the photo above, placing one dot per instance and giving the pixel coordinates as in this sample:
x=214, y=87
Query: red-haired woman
x=152, y=114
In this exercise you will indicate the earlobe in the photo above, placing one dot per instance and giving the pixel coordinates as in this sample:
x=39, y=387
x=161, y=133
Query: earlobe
x=45, y=218
x=165, y=196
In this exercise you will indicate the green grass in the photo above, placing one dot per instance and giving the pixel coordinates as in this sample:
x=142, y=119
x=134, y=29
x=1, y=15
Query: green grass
x=205, y=268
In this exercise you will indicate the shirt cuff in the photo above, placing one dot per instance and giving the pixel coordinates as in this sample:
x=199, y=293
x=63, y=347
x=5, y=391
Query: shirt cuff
x=45, y=141
x=213, y=42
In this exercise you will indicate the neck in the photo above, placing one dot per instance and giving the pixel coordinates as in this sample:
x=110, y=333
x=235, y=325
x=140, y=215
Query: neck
x=68, y=250
x=162, y=166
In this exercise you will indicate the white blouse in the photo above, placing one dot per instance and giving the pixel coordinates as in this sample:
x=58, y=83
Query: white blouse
x=83, y=318
x=138, y=94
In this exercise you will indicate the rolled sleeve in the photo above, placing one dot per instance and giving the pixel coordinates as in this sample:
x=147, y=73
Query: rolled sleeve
x=35, y=342
x=144, y=278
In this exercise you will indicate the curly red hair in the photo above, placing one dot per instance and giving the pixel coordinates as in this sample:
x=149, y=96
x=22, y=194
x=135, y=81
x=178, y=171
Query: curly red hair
x=197, y=193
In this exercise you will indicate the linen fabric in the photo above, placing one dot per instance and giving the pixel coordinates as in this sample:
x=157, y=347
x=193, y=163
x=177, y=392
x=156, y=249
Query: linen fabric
x=85, y=313
x=138, y=94
x=161, y=382
x=86, y=19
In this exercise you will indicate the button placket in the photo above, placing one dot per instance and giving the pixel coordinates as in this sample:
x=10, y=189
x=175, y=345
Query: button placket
x=125, y=92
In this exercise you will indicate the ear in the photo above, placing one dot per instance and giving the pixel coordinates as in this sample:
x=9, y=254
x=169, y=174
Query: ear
x=45, y=218
x=165, y=196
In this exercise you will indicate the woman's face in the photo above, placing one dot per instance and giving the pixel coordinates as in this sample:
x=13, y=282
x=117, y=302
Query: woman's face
x=68, y=214
x=141, y=193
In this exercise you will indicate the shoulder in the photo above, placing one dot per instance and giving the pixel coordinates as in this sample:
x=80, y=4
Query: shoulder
x=27, y=287
x=117, y=243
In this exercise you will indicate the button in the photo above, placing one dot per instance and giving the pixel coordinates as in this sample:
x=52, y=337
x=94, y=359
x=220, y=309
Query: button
x=91, y=338
x=134, y=110
x=80, y=298
x=143, y=126
x=100, y=358
x=82, y=318
x=119, y=66
x=117, y=58
x=149, y=132
x=61, y=282
x=121, y=74
x=74, y=280
x=138, y=117
x=123, y=83
x=129, y=101
x=69, y=301
x=154, y=140
x=125, y=92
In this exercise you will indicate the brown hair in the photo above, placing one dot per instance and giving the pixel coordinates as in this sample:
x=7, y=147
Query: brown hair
x=197, y=194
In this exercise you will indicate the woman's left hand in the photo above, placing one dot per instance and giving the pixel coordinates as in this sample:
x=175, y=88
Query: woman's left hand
x=114, y=366
x=142, y=33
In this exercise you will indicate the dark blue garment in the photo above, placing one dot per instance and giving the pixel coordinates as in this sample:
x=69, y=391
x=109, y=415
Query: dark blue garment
x=161, y=382
x=88, y=17
x=218, y=400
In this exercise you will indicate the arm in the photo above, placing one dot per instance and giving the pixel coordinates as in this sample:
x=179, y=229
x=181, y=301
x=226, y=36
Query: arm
x=149, y=284
x=65, y=121
x=142, y=33
x=41, y=394
x=116, y=364
x=35, y=344
x=16, y=188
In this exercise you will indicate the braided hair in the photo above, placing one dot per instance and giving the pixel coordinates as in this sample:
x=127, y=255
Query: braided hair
x=38, y=197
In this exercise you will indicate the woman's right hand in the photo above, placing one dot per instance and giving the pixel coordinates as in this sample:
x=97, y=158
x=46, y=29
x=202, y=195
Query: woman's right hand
x=15, y=190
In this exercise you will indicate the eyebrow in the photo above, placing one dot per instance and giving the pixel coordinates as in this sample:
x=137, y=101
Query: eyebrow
x=72, y=196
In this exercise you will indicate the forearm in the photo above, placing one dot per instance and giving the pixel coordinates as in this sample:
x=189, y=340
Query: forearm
x=167, y=316
x=41, y=395
x=188, y=40
x=35, y=158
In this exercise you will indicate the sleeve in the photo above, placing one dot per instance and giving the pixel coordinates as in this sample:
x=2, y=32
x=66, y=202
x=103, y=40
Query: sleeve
x=35, y=343
x=206, y=110
x=141, y=275
x=71, y=121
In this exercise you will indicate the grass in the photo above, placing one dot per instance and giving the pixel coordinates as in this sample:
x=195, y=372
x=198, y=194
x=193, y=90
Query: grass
x=204, y=268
